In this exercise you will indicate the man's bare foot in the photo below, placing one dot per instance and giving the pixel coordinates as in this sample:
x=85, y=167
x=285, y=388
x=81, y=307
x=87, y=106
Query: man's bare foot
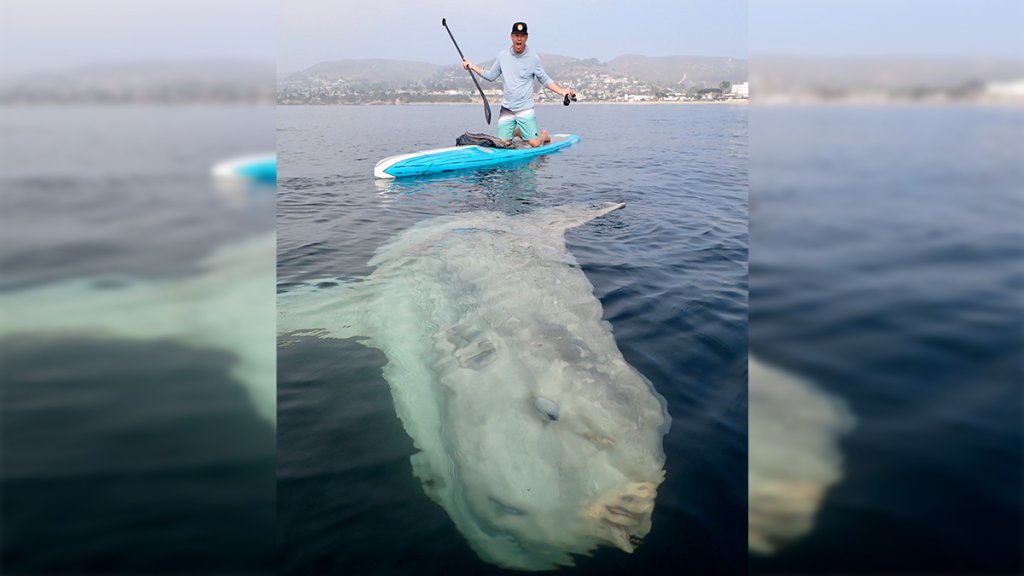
x=541, y=139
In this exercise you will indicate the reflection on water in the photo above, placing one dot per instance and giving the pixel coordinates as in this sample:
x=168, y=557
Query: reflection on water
x=239, y=193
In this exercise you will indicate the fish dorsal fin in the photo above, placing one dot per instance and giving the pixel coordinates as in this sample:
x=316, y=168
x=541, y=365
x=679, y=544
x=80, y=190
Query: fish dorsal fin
x=561, y=218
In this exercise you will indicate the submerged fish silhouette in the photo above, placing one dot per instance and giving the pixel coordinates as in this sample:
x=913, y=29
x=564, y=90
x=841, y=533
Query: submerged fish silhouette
x=534, y=434
x=227, y=305
x=794, y=455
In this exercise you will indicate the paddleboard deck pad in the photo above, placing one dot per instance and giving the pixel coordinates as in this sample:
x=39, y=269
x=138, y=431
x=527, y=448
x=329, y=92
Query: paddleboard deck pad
x=464, y=157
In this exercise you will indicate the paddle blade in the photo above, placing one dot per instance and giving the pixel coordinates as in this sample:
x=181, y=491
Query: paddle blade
x=487, y=111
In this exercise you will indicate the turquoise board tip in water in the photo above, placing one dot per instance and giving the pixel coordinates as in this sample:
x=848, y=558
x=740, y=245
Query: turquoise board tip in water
x=258, y=168
x=464, y=157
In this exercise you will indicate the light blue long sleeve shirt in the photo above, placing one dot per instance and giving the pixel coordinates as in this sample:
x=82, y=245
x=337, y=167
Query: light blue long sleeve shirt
x=517, y=72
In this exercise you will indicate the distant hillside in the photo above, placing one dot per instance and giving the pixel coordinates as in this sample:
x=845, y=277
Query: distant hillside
x=626, y=78
x=793, y=74
x=680, y=70
x=673, y=71
x=392, y=73
x=163, y=81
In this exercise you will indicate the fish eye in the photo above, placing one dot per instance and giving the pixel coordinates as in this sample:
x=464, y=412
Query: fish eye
x=546, y=407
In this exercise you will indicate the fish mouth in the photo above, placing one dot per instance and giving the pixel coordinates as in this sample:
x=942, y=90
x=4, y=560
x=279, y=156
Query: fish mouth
x=623, y=517
x=621, y=537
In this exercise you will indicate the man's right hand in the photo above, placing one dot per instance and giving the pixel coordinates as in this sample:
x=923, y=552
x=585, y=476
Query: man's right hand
x=466, y=63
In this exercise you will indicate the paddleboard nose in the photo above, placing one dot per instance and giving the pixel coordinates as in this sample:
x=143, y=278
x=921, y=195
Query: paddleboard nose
x=256, y=167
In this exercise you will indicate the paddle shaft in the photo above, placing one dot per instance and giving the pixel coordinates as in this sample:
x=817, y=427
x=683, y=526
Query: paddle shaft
x=487, y=105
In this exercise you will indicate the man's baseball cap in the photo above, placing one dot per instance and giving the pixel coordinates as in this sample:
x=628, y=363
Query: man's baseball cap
x=519, y=28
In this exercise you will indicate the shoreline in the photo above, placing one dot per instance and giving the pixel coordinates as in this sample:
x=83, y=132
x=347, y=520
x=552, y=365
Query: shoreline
x=656, y=102
x=744, y=101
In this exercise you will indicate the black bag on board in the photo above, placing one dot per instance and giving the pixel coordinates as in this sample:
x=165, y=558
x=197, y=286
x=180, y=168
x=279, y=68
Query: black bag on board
x=470, y=139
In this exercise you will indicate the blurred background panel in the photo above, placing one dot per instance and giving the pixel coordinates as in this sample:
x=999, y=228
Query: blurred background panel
x=886, y=276
x=137, y=414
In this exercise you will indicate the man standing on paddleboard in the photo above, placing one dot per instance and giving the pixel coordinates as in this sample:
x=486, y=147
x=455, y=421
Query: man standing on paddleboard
x=518, y=66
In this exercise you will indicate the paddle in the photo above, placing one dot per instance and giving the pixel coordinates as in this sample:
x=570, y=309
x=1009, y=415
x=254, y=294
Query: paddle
x=487, y=105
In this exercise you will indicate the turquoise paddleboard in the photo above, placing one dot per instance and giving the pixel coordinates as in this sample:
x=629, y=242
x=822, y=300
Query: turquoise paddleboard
x=464, y=157
x=259, y=168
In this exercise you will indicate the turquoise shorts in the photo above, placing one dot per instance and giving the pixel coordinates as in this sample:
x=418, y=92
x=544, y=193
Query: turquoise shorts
x=526, y=120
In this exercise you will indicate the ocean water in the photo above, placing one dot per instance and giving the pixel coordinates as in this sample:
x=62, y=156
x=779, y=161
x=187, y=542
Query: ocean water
x=669, y=270
x=886, y=269
x=128, y=447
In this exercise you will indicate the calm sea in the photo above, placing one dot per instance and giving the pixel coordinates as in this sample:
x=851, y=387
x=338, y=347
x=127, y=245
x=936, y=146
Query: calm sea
x=121, y=453
x=887, y=267
x=670, y=272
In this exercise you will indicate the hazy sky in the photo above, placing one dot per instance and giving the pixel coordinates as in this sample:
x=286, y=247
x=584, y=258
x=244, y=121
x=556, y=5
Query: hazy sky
x=311, y=31
x=54, y=34
x=888, y=27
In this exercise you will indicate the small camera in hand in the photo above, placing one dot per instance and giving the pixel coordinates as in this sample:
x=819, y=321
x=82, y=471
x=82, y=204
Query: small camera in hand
x=570, y=96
